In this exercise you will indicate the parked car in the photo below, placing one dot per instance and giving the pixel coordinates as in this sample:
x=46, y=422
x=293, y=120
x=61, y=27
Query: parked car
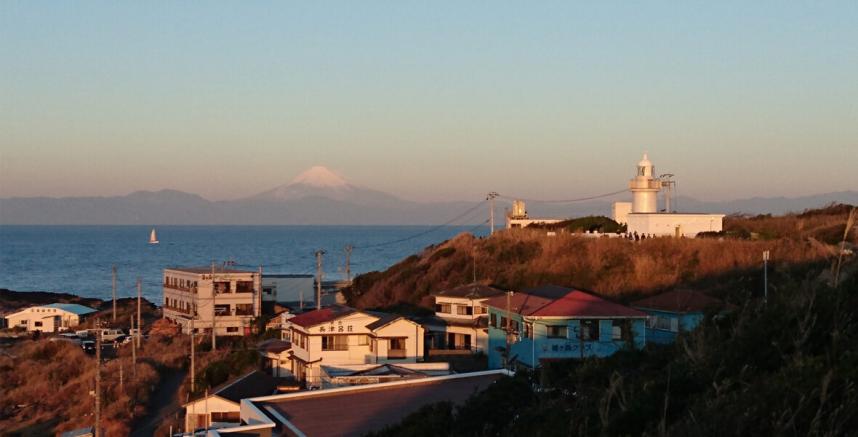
x=73, y=340
x=88, y=346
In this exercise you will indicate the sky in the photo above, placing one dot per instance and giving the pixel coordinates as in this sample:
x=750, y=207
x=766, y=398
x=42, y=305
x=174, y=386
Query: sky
x=428, y=100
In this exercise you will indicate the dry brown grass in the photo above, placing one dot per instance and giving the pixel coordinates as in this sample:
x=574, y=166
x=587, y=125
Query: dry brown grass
x=608, y=266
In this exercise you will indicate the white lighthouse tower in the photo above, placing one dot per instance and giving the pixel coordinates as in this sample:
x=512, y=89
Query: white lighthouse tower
x=641, y=215
x=645, y=187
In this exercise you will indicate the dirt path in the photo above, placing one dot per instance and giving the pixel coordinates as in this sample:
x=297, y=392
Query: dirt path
x=164, y=403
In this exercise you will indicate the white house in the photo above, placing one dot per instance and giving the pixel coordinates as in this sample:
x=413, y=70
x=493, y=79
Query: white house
x=221, y=409
x=231, y=297
x=49, y=318
x=642, y=216
x=460, y=323
x=342, y=335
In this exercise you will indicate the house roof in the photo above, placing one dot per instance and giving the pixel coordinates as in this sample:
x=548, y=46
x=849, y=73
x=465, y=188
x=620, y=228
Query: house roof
x=207, y=270
x=256, y=383
x=554, y=301
x=470, y=291
x=274, y=346
x=324, y=315
x=679, y=301
x=72, y=308
x=383, y=320
x=363, y=409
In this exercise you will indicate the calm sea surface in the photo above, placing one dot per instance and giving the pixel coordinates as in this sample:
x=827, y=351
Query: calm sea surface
x=78, y=259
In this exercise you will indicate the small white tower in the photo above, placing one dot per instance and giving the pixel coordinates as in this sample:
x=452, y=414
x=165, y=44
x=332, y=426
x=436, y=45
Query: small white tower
x=644, y=188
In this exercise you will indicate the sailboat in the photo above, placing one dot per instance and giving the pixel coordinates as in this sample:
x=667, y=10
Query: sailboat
x=153, y=237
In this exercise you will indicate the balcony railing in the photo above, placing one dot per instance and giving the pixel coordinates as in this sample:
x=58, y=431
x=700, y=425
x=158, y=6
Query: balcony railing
x=185, y=289
x=396, y=354
x=177, y=309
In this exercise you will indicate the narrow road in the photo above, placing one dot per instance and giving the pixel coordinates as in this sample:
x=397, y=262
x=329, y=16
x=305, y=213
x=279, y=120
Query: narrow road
x=164, y=403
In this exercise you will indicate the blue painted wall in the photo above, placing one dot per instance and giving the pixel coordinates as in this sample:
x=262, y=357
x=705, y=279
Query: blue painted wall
x=527, y=351
x=686, y=322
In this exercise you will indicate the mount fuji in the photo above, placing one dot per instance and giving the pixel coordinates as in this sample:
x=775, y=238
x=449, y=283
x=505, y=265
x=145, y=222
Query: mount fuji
x=319, y=196
x=321, y=182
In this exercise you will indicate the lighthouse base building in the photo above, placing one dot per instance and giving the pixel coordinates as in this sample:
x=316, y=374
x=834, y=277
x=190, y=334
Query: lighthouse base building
x=641, y=216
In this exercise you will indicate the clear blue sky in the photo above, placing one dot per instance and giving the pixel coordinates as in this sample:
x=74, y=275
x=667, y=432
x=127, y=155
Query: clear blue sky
x=428, y=100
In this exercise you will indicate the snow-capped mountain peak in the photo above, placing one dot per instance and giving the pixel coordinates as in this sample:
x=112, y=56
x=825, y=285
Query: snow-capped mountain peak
x=320, y=176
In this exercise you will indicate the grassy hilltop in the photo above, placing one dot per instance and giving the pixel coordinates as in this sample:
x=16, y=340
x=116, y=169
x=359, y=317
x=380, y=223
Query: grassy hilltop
x=727, y=264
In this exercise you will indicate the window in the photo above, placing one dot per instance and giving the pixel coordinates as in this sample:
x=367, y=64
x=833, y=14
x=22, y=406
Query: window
x=502, y=323
x=335, y=342
x=22, y=322
x=362, y=340
x=221, y=287
x=244, y=309
x=556, y=331
x=663, y=323
x=463, y=310
x=231, y=329
x=221, y=310
x=589, y=330
x=445, y=308
x=528, y=330
x=232, y=416
x=267, y=290
x=37, y=323
x=397, y=343
x=621, y=330
x=493, y=319
x=479, y=309
x=244, y=287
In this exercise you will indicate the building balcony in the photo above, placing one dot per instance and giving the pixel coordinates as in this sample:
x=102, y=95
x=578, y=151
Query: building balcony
x=186, y=311
x=178, y=288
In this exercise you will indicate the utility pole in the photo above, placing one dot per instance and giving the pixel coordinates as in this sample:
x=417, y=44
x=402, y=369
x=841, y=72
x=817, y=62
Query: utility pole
x=766, y=276
x=97, y=378
x=114, y=293
x=139, y=299
x=214, y=295
x=134, y=351
x=349, y=248
x=193, y=368
x=508, y=327
x=121, y=380
x=319, y=276
x=257, y=294
x=491, y=198
x=850, y=221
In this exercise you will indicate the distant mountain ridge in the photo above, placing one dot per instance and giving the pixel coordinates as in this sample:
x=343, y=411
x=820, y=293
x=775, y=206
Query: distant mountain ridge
x=321, y=197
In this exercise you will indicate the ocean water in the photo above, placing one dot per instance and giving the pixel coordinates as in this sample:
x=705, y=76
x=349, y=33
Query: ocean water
x=78, y=259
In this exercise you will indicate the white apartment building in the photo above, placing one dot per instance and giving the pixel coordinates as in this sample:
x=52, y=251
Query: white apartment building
x=460, y=324
x=289, y=289
x=49, y=318
x=339, y=335
x=231, y=297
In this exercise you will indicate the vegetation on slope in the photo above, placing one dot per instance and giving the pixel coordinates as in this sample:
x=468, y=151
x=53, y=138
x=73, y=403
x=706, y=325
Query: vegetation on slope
x=788, y=367
x=611, y=267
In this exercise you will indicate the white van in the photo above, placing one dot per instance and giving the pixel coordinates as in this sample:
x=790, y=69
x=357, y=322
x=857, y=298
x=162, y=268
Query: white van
x=109, y=334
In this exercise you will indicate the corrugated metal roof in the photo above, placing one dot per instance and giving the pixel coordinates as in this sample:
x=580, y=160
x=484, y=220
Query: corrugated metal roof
x=72, y=308
x=470, y=291
x=317, y=317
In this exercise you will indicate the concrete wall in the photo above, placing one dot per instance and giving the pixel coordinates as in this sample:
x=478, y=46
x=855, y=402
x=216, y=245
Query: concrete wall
x=666, y=224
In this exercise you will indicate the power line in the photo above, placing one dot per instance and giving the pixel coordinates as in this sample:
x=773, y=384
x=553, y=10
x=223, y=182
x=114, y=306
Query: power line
x=428, y=231
x=580, y=199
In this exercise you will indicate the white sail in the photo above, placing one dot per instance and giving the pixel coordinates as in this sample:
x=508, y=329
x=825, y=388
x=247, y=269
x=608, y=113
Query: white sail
x=153, y=237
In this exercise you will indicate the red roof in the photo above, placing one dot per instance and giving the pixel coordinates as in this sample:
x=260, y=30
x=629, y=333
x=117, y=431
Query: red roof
x=679, y=301
x=568, y=302
x=324, y=315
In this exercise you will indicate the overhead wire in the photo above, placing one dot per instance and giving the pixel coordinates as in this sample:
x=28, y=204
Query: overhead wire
x=425, y=232
x=579, y=199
